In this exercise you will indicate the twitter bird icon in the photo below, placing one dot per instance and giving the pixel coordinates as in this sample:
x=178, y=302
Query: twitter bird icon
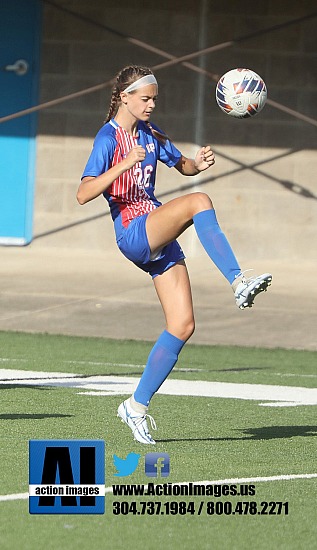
x=126, y=466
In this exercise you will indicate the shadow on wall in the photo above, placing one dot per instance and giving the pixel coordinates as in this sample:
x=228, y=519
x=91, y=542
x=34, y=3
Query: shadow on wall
x=295, y=188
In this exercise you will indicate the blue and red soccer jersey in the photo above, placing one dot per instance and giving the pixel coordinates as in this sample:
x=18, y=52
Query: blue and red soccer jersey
x=131, y=194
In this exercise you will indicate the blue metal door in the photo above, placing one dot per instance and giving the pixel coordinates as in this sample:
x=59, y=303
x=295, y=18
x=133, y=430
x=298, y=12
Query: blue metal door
x=19, y=75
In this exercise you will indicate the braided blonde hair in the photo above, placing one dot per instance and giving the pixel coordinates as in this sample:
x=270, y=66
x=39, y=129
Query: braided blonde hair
x=124, y=78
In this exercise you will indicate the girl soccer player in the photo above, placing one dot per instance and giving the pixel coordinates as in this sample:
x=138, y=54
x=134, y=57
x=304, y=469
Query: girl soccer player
x=122, y=167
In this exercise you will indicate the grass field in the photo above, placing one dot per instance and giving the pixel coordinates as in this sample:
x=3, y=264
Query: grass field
x=207, y=439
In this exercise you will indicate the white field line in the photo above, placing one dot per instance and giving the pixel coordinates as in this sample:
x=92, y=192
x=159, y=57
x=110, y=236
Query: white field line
x=286, y=477
x=105, y=385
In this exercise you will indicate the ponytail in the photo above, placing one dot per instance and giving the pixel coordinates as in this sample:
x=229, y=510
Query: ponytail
x=157, y=134
x=114, y=101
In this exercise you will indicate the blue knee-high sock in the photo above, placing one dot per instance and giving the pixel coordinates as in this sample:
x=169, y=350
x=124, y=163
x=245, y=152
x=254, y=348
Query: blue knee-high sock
x=215, y=243
x=161, y=360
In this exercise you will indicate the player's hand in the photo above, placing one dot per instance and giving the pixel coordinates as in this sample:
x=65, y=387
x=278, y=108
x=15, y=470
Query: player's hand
x=135, y=155
x=204, y=158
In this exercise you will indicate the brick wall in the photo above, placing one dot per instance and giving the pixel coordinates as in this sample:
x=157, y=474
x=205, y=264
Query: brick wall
x=77, y=55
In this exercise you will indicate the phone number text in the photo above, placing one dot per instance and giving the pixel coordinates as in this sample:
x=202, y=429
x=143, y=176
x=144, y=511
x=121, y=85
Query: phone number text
x=218, y=508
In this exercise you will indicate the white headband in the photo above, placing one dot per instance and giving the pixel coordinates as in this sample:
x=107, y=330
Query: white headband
x=144, y=81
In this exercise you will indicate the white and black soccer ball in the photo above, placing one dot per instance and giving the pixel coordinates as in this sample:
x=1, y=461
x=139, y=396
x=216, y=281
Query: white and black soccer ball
x=241, y=93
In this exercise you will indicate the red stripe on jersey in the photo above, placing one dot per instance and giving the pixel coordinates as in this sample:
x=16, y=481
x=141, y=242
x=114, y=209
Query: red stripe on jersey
x=127, y=190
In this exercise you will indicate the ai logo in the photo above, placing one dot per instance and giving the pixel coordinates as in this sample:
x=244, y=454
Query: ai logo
x=66, y=476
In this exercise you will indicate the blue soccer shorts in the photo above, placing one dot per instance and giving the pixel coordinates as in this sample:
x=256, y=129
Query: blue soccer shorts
x=134, y=245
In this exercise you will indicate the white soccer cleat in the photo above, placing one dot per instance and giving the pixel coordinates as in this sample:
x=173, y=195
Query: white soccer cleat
x=247, y=289
x=137, y=422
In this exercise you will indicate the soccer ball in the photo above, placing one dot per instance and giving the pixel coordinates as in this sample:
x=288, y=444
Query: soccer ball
x=241, y=93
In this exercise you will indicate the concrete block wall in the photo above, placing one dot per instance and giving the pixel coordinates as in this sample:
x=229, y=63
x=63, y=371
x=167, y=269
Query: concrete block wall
x=264, y=181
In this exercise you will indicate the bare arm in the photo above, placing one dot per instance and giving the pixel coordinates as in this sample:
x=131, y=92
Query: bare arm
x=203, y=160
x=91, y=187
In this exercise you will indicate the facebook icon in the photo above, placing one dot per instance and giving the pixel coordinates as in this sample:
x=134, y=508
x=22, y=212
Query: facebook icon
x=157, y=464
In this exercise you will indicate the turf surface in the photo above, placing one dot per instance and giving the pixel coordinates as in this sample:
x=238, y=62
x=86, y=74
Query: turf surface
x=206, y=439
